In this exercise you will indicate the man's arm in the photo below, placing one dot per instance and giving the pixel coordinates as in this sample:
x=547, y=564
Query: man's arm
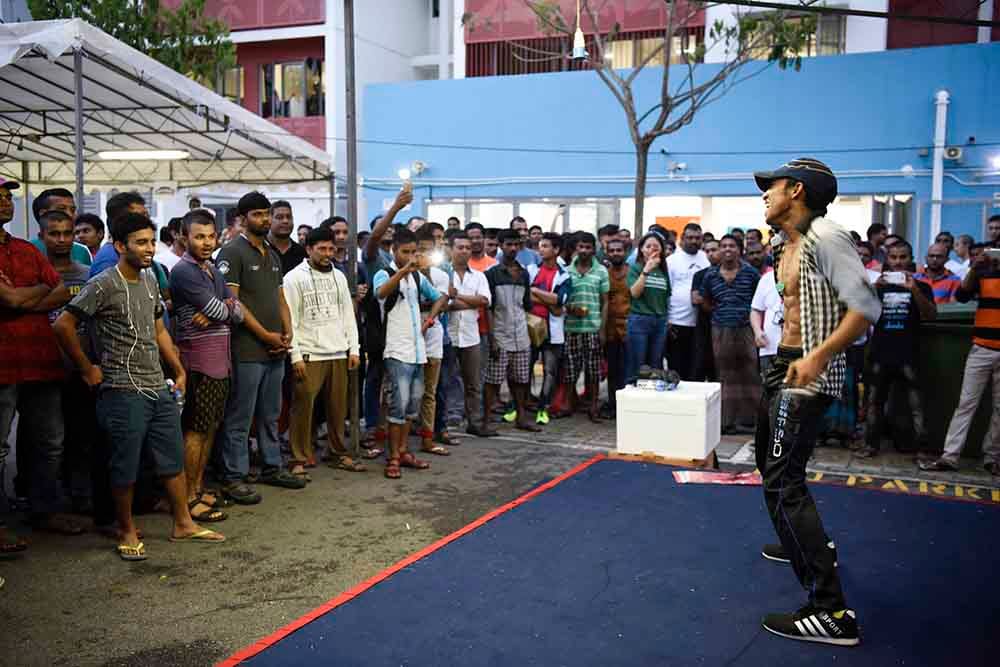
x=293, y=300
x=286, y=318
x=56, y=298
x=270, y=338
x=169, y=354
x=550, y=299
x=757, y=324
x=22, y=298
x=560, y=212
x=803, y=372
x=604, y=316
x=403, y=200
x=69, y=340
x=439, y=307
x=920, y=291
x=392, y=284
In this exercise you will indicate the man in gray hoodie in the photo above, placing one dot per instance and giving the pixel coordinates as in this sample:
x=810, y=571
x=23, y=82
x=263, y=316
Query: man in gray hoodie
x=324, y=348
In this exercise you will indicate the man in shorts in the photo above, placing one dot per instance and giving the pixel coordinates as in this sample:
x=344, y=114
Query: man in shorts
x=510, y=346
x=134, y=406
x=204, y=311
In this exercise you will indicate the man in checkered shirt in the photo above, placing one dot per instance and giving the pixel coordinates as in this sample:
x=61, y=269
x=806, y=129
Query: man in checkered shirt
x=828, y=304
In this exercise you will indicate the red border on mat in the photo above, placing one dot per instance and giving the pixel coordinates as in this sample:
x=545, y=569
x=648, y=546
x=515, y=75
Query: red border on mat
x=351, y=593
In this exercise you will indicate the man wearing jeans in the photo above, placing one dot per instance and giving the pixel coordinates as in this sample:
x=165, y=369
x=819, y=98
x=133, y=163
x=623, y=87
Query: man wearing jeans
x=252, y=270
x=982, y=280
x=550, y=288
x=829, y=303
x=134, y=407
x=31, y=370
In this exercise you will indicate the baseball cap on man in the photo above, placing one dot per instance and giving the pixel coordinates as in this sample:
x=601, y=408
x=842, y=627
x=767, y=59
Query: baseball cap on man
x=10, y=185
x=821, y=184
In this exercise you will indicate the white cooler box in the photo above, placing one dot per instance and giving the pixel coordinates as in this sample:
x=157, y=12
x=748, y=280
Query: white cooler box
x=681, y=424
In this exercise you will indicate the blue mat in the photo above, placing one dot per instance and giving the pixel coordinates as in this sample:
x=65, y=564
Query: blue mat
x=619, y=565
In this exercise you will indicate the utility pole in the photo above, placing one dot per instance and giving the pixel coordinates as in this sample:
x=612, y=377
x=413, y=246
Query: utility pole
x=350, y=106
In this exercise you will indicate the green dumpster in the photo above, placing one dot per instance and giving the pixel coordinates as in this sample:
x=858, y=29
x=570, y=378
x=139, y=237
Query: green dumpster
x=944, y=345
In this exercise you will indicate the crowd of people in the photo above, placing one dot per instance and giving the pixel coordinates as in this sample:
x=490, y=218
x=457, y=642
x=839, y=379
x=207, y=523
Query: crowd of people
x=174, y=371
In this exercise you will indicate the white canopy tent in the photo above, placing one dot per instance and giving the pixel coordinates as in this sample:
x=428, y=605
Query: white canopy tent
x=70, y=94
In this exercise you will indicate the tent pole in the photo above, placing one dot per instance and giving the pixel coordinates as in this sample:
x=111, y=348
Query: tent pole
x=78, y=122
x=352, y=198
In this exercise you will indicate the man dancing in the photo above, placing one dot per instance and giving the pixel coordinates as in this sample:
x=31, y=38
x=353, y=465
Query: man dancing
x=828, y=303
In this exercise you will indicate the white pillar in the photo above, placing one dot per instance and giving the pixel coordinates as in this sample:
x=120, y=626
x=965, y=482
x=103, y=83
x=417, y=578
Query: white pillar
x=444, y=39
x=985, y=14
x=458, y=39
x=937, y=177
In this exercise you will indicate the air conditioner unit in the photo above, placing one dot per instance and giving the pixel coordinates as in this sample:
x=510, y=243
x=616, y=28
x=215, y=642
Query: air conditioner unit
x=953, y=153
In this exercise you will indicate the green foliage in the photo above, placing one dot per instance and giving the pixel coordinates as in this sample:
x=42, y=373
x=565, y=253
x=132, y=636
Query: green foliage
x=183, y=39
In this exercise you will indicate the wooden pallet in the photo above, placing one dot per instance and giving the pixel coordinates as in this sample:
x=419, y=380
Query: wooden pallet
x=710, y=461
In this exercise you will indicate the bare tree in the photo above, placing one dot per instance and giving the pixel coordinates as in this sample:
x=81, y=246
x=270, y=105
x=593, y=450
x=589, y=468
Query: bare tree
x=763, y=38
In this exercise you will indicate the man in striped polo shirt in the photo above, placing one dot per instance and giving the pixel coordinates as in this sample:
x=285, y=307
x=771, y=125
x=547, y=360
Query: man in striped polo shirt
x=942, y=282
x=586, y=321
x=982, y=281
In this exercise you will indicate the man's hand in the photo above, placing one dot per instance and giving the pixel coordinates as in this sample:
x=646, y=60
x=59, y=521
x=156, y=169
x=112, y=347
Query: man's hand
x=200, y=321
x=93, y=376
x=452, y=292
x=362, y=291
x=696, y=298
x=286, y=339
x=405, y=197
x=909, y=283
x=760, y=339
x=273, y=340
x=803, y=372
x=428, y=323
x=180, y=383
x=353, y=362
x=299, y=368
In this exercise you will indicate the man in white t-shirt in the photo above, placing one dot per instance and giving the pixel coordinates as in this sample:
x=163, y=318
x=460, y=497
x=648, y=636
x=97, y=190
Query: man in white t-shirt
x=172, y=254
x=682, y=316
x=766, y=317
x=433, y=339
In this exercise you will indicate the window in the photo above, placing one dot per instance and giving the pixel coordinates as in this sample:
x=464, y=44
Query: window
x=830, y=38
x=435, y=9
x=630, y=51
x=293, y=89
x=230, y=84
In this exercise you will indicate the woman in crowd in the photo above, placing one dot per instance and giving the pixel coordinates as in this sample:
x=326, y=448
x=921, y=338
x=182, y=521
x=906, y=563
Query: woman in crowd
x=647, y=321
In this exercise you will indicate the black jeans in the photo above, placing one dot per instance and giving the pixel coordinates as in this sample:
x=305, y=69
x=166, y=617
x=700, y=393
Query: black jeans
x=616, y=370
x=787, y=426
x=881, y=380
x=681, y=350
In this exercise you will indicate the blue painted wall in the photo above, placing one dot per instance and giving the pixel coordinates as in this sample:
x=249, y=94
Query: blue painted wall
x=859, y=113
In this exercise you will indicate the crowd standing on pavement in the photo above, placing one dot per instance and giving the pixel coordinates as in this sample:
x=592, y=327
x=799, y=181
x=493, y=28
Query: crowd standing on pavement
x=178, y=374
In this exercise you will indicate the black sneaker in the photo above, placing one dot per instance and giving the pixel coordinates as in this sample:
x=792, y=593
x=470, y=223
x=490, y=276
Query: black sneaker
x=775, y=552
x=839, y=628
x=283, y=479
x=938, y=465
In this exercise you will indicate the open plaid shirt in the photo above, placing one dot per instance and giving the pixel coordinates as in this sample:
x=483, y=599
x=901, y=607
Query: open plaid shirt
x=832, y=281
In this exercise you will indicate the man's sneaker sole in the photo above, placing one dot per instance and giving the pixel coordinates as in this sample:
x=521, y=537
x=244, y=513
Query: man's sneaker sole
x=854, y=641
x=775, y=559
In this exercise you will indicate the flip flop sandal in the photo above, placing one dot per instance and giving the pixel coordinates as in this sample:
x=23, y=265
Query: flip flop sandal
x=392, y=469
x=436, y=449
x=348, y=464
x=303, y=475
x=221, y=501
x=211, y=516
x=128, y=552
x=371, y=452
x=408, y=460
x=203, y=535
x=13, y=547
x=448, y=439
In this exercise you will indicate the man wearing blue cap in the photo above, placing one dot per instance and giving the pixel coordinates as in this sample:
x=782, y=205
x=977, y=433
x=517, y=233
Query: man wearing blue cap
x=828, y=304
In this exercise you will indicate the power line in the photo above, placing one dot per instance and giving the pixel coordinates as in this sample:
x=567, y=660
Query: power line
x=843, y=11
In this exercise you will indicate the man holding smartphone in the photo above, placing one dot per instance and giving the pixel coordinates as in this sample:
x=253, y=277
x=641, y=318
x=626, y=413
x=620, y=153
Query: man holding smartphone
x=982, y=282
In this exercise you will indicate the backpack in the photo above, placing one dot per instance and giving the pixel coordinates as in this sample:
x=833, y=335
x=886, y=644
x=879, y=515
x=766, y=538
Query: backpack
x=376, y=320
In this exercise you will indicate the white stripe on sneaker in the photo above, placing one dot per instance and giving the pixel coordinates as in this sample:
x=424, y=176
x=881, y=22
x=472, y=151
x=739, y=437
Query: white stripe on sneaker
x=803, y=629
x=819, y=626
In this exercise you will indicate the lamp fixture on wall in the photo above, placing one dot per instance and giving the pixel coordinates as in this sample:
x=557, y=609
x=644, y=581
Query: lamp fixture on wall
x=579, y=44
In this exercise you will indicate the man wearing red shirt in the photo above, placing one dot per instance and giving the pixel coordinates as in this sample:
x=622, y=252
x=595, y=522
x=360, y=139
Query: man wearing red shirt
x=31, y=368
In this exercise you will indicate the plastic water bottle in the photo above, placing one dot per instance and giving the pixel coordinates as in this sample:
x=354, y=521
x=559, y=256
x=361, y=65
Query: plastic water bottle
x=176, y=393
